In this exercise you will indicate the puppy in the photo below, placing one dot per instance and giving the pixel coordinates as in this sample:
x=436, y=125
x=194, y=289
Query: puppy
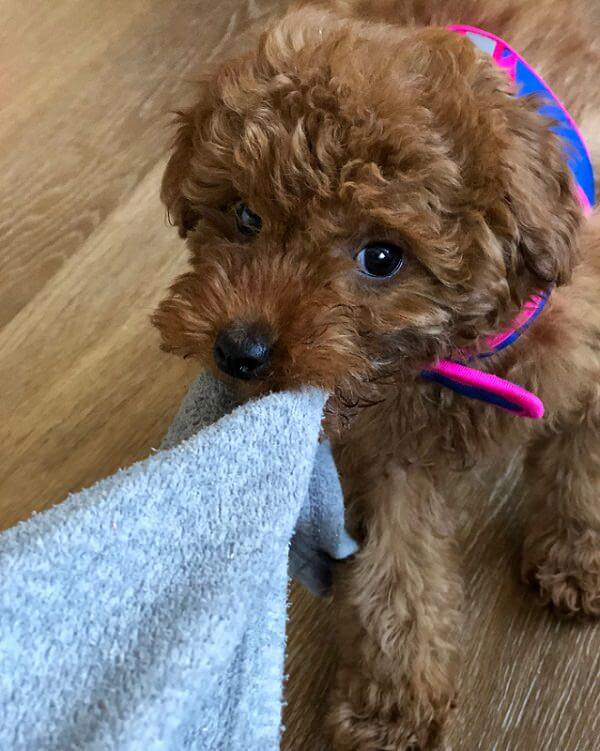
x=364, y=195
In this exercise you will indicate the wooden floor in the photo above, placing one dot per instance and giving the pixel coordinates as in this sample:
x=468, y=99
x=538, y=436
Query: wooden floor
x=85, y=253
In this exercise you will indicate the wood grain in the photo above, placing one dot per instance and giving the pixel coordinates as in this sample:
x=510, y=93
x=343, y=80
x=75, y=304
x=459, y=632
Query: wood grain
x=85, y=250
x=85, y=92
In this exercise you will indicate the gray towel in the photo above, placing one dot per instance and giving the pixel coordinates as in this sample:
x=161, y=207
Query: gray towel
x=320, y=537
x=148, y=612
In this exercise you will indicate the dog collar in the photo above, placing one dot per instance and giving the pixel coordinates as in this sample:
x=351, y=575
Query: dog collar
x=455, y=374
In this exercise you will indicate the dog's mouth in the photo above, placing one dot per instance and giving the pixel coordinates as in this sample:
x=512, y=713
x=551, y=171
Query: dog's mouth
x=254, y=359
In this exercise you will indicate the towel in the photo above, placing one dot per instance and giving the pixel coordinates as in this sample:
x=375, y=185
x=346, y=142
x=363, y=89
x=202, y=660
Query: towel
x=148, y=612
x=320, y=537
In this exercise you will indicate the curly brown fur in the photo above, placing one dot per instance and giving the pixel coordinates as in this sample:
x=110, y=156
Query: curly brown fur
x=366, y=120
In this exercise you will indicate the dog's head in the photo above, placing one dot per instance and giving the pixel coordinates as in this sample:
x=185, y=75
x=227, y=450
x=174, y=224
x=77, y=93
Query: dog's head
x=359, y=199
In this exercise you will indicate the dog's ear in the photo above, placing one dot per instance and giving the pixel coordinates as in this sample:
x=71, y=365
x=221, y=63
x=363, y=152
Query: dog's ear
x=540, y=195
x=179, y=209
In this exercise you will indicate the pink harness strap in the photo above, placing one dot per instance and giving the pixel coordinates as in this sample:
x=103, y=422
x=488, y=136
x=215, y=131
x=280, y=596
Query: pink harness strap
x=454, y=374
x=487, y=387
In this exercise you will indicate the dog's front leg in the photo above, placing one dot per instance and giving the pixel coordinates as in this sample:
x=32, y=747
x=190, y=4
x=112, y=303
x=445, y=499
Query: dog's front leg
x=561, y=555
x=399, y=611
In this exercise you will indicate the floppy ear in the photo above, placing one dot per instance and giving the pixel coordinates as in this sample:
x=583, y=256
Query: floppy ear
x=541, y=198
x=179, y=209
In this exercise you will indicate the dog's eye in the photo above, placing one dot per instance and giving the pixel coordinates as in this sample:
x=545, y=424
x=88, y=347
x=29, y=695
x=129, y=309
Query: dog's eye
x=380, y=259
x=248, y=222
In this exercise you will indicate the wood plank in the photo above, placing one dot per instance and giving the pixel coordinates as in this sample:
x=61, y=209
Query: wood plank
x=88, y=254
x=85, y=390
x=84, y=114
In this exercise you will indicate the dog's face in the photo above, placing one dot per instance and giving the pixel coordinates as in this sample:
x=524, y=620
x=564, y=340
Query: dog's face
x=358, y=200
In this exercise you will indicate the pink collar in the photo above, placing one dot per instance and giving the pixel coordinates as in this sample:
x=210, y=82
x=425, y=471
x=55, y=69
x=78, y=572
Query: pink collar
x=455, y=374
x=476, y=384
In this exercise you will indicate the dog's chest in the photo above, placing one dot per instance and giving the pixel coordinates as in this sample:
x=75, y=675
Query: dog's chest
x=426, y=425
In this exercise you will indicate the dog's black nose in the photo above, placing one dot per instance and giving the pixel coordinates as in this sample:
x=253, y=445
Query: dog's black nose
x=242, y=351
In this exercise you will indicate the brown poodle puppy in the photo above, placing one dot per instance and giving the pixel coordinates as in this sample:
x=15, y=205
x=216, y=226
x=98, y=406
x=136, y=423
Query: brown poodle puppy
x=363, y=194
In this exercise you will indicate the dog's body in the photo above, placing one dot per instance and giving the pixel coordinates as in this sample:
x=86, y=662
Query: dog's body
x=340, y=130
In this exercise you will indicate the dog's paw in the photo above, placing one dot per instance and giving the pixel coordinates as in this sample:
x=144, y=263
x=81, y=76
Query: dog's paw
x=393, y=728
x=565, y=570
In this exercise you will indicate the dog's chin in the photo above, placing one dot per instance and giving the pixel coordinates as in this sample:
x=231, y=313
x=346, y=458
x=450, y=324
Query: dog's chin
x=275, y=382
x=244, y=390
x=267, y=383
